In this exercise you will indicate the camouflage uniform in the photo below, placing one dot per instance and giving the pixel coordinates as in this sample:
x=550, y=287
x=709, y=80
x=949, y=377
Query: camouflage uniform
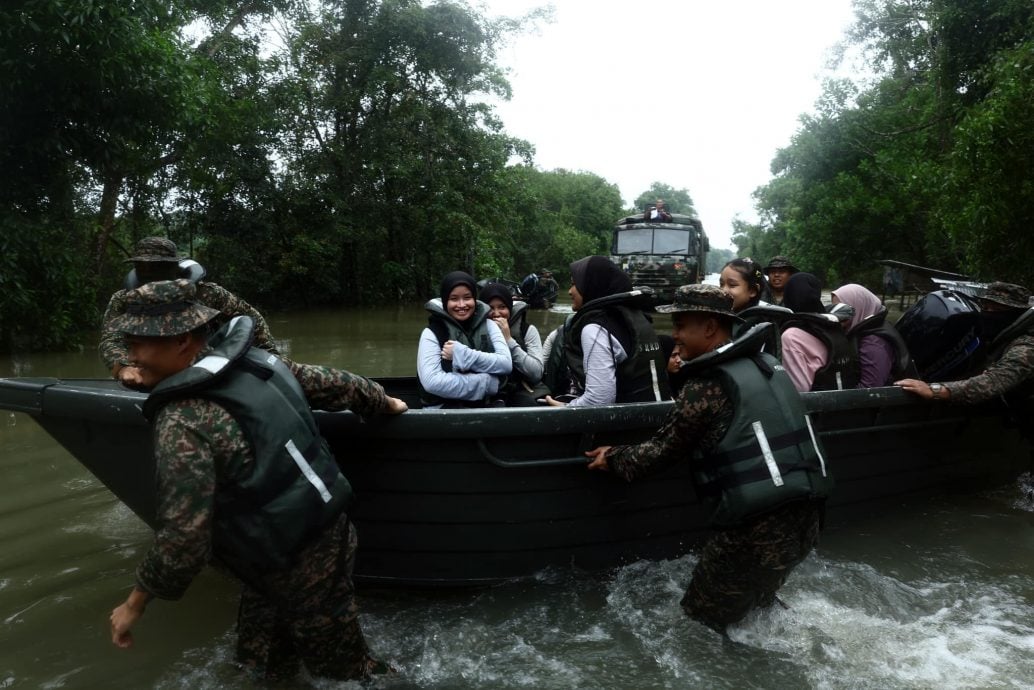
x=740, y=567
x=304, y=613
x=161, y=250
x=1013, y=369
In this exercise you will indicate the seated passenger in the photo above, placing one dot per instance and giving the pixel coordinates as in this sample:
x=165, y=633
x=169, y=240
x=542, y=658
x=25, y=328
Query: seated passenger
x=816, y=352
x=778, y=271
x=882, y=354
x=610, y=345
x=523, y=340
x=677, y=375
x=743, y=280
x=462, y=358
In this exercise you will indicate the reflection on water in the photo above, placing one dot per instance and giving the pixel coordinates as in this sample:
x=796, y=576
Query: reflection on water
x=928, y=594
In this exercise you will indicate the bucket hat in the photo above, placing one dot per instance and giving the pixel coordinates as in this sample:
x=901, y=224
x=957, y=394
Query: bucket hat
x=780, y=262
x=163, y=308
x=154, y=249
x=1007, y=294
x=708, y=299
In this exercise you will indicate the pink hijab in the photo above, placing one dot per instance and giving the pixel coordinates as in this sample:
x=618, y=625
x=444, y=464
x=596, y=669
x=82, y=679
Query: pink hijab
x=864, y=302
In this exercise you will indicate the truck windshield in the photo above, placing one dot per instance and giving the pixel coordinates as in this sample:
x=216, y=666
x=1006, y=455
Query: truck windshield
x=653, y=241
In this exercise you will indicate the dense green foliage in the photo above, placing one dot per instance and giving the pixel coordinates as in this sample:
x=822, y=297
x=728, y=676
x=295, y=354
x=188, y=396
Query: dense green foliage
x=929, y=163
x=331, y=152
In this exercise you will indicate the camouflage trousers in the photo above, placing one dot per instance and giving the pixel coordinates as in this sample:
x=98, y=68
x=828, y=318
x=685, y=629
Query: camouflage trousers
x=307, y=613
x=741, y=568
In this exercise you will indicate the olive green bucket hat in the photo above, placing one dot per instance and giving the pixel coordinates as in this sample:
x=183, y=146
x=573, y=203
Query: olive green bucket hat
x=709, y=299
x=780, y=262
x=163, y=308
x=1007, y=294
x=151, y=249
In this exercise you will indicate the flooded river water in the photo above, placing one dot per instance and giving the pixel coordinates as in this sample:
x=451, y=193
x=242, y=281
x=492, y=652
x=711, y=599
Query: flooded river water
x=929, y=593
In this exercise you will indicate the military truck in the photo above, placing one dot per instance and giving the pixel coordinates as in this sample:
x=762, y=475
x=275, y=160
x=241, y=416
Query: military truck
x=661, y=254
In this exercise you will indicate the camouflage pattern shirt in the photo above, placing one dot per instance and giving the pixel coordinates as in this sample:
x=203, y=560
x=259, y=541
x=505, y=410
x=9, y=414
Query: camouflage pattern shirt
x=199, y=449
x=1013, y=368
x=700, y=418
x=113, y=343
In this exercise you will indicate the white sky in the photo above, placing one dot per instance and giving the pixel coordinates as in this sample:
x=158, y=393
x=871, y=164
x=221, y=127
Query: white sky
x=697, y=94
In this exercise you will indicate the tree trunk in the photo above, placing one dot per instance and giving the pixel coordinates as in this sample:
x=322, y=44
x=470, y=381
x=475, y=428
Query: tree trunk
x=106, y=218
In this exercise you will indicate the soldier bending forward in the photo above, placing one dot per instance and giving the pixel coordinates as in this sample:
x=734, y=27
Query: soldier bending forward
x=244, y=478
x=741, y=424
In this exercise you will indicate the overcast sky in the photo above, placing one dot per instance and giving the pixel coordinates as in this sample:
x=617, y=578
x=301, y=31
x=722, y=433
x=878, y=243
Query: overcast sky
x=697, y=94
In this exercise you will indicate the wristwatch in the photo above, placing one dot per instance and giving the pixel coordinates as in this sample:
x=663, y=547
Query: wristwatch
x=936, y=389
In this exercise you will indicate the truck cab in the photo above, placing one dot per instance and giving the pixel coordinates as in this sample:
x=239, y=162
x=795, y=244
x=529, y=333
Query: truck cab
x=661, y=254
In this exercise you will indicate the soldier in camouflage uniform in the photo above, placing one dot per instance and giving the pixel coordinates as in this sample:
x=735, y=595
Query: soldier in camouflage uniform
x=1007, y=322
x=742, y=426
x=230, y=490
x=155, y=258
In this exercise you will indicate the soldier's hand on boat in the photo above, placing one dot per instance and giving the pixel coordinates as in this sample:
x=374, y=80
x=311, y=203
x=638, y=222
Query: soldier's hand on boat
x=920, y=388
x=599, y=458
x=394, y=405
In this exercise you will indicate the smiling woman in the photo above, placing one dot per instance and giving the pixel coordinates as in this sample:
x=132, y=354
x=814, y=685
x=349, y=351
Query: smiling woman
x=462, y=358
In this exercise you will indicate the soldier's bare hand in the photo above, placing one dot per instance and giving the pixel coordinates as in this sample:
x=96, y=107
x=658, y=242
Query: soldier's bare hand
x=599, y=458
x=130, y=376
x=920, y=388
x=123, y=617
x=395, y=406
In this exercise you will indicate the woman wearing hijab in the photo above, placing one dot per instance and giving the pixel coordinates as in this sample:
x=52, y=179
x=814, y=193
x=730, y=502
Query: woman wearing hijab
x=882, y=354
x=677, y=374
x=610, y=346
x=523, y=340
x=815, y=350
x=462, y=358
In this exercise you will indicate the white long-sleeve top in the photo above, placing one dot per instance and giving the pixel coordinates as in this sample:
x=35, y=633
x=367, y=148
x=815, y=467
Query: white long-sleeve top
x=474, y=375
x=529, y=361
x=601, y=354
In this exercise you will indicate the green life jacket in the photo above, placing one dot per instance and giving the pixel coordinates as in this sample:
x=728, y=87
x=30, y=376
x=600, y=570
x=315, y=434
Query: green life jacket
x=842, y=370
x=294, y=488
x=770, y=455
x=1023, y=325
x=518, y=322
x=902, y=365
x=475, y=336
x=766, y=313
x=642, y=376
x=555, y=374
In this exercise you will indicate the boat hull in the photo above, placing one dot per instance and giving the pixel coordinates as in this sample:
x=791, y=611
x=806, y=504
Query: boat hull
x=468, y=497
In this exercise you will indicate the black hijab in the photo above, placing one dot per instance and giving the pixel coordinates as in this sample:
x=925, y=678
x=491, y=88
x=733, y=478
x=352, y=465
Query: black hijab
x=803, y=294
x=598, y=276
x=451, y=280
x=494, y=290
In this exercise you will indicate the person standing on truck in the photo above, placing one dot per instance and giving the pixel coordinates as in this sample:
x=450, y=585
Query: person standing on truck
x=657, y=213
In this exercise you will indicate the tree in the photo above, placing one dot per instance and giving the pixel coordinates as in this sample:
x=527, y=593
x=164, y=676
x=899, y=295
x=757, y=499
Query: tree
x=676, y=200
